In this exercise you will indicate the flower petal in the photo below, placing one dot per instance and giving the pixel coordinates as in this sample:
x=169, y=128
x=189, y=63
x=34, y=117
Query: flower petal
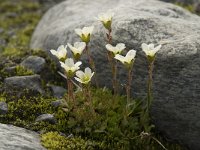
x=157, y=48
x=69, y=62
x=109, y=47
x=144, y=47
x=88, y=72
x=120, y=46
x=54, y=52
x=130, y=55
x=62, y=51
x=151, y=46
x=80, y=74
x=63, y=65
x=77, y=79
x=78, y=63
x=78, y=31
x=120, y=58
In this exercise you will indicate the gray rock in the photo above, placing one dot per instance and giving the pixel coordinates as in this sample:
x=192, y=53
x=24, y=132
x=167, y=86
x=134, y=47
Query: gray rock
x=32, y=82
x=176, y=106
x=46, y=118
x=34, y=63
x=56, y=103
x=57, y=91
x=15, y=138
x=3, y=108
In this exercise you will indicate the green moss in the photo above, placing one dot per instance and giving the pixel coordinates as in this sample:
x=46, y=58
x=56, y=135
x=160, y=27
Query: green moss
x=110, y=126
x=23, y=111
x=16, y=71
x=54, y=141
x=22, y=71
x=26, y=15
x=189, y=7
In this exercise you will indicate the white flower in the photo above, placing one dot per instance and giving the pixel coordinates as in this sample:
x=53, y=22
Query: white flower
x=150, y=50
x=84, y=77
x=60, y=53
x=128, y=59
x=70, y=67
x=85, y=33
x=78, y=48
x=106, y=19
x=116, y=49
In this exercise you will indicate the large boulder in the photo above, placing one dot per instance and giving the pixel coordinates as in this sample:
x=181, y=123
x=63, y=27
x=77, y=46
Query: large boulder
x=176, y=106
x=15, y=138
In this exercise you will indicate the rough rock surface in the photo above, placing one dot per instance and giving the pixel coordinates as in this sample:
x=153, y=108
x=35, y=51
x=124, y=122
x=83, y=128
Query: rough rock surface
x=15, y=138
x=176, y=106
x=34, y=63
x=57, y=91
x=21, y=83
x=57, y=103
x=47, y=118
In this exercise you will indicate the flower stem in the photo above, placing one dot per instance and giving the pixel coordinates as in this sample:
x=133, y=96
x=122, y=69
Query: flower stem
x=114, y=66
x=92, y=64
x=112, y=63
x=128, y=86
x=150, y=80
x=70, y=90
x=109, y=36
x=88, y=96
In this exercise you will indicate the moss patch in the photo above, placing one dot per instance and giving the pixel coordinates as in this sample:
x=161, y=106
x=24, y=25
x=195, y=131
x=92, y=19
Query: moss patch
x=111, y=127
x=189, y=7
x=54, y=141
x=18, y=19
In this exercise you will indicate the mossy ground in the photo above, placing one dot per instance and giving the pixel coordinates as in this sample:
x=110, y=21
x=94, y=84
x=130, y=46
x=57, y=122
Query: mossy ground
x=109, y=128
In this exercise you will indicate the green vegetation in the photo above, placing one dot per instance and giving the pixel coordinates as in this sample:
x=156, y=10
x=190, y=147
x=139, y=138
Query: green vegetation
x=15, y=71
x=189, y=7
x=18, y=19
x=111, y=127
x=54, y=141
